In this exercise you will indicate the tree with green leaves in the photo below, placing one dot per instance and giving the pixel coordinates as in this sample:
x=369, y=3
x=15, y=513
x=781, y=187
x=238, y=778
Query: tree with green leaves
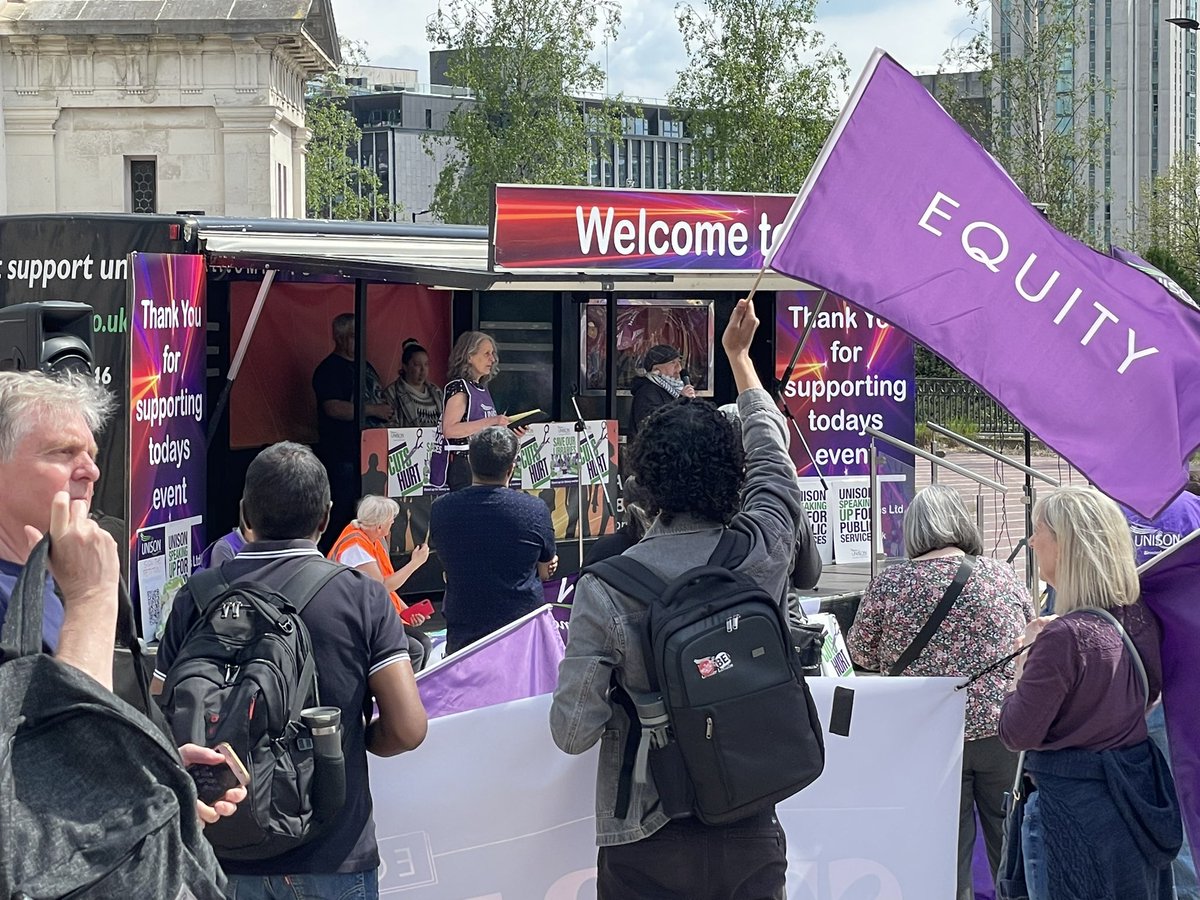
x=1171, y=220
x=336, y=186
x=1048, y=111
x=759, y=93
x=524, y=62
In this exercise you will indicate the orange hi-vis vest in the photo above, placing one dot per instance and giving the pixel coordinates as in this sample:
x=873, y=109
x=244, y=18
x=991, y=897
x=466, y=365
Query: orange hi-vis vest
x=353, y=536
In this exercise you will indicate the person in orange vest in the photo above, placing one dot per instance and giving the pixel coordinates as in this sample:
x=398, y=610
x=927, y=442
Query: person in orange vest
x=363, y=545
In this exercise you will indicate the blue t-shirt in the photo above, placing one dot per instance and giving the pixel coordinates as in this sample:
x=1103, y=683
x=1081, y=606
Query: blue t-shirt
x=490, y=539
x=52, y=613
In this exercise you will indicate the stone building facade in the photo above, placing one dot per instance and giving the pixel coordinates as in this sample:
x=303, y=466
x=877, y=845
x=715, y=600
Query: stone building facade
x=158, y=105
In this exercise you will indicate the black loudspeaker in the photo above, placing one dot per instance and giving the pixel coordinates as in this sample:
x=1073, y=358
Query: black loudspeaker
x=52, y=335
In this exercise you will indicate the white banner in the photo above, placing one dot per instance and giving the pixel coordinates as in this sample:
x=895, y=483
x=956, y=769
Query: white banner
x=841, y=517
x=489, y=809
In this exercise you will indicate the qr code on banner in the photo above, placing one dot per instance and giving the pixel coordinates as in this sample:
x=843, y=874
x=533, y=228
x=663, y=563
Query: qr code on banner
x=153, y=605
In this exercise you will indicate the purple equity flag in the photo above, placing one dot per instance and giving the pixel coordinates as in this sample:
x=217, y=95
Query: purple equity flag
x=1169, y=587
x=520, y=660
x=907, y=217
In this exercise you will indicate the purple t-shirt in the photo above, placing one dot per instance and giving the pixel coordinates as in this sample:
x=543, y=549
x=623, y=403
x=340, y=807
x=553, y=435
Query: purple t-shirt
x=1080, y=688
x=479, y=406
x=52, y=611
x=1177, y=521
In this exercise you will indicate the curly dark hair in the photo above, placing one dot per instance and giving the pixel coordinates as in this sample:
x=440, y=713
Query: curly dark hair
x=688, y=458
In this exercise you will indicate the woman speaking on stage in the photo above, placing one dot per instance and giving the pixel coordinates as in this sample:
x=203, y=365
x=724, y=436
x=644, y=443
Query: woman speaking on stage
x=469, y=408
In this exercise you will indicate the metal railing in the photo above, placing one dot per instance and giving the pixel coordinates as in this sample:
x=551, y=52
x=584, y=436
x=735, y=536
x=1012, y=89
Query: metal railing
x=954, y=401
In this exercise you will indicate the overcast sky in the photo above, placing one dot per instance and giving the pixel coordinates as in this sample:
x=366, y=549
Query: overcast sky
x=648, y=53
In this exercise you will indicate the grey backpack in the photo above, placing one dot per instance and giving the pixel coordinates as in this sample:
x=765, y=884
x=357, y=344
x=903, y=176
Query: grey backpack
x=94, y=801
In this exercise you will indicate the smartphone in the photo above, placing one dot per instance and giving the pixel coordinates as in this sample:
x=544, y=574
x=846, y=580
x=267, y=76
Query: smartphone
x=421, y=608
x=212, y=781
x=843, y=708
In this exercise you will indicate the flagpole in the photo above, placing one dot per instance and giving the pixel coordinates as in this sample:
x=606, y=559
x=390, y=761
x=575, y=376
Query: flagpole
x=769, y=252
x=787, y=376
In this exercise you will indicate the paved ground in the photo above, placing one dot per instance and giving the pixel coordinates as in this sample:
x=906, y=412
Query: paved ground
x=1003, y=514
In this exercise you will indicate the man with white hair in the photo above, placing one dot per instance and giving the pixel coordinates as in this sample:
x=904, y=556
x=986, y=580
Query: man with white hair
x=48, y=472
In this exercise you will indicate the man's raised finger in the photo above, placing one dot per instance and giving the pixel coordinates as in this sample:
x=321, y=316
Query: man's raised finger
x=60, y=514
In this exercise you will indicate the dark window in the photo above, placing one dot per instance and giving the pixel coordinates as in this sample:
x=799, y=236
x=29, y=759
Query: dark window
x=428, y=118
x=143, y=185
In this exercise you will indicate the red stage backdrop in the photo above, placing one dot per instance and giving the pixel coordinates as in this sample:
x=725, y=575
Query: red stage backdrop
x=272, y=399
x=572, y=228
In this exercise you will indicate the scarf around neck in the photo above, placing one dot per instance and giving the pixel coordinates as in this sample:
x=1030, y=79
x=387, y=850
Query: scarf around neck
x=673, y=386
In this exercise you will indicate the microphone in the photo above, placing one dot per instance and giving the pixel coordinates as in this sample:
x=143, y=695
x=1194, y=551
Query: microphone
x=685, y=378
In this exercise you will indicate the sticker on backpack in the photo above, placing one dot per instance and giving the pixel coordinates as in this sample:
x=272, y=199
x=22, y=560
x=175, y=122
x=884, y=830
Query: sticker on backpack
x=712, y=665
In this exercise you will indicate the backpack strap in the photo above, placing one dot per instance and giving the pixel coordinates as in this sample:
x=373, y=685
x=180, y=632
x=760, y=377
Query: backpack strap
x=127, y=637
x=312, y=574
x=634, y=580
x=965, y=568
x=22, y=632
x=629, y=753
x=629, y=577
x=205, y=586
x=731, y=550
x=1133, y=652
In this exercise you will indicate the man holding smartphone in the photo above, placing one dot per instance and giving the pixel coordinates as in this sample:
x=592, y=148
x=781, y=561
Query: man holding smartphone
x=361, y=655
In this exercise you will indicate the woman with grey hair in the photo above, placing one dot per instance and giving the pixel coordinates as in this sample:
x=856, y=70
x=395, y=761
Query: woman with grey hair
x=469, y=408
x=987, y=616
x=363, y=545
x=1102, y=820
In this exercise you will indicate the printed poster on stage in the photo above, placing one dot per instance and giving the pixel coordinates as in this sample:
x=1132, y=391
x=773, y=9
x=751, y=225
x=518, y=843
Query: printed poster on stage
x=395, y=463
x=409, y=450
x=596, y=452
x=167, y=447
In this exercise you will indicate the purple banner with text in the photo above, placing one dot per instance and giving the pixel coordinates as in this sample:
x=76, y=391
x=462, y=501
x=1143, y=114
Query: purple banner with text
x=906, y=215
x=854, y=372
x=167, y=449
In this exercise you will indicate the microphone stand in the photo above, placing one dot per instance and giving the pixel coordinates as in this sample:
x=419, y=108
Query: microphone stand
x=583, y=435
x=787, y=376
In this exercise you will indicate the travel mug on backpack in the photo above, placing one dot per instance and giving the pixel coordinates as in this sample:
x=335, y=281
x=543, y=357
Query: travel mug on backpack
x=329, y=776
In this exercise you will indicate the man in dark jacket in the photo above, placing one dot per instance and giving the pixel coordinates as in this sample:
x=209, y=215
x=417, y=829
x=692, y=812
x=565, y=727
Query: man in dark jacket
x=662, y=383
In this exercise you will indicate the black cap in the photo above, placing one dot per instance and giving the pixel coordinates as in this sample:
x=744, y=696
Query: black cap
x=659, y=354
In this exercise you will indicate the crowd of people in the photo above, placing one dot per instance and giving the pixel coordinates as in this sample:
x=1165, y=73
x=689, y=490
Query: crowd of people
x=1065, y=724
x=1067, y=717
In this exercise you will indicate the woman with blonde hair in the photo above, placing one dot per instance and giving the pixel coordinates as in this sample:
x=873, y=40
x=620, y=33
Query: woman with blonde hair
x=990, y=610
x=1102, y=820
x=468, y=409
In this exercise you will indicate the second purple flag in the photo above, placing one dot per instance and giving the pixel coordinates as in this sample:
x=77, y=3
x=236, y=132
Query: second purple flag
x=906, y=216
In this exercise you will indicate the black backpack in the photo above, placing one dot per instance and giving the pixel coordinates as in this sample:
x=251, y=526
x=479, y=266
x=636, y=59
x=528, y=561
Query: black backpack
x=729, y=727
x=94, y=801
x=243, y=674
